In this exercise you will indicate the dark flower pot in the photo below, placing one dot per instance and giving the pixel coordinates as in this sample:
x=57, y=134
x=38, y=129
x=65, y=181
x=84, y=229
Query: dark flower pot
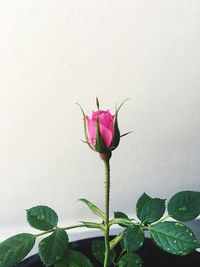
x=151, y=255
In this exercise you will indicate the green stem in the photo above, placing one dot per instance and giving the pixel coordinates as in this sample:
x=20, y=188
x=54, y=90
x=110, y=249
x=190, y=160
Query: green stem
x=73, y=226
x=65, y=228
x=162, y=219
x=122, y=252
x=107, y=202
x=44, y=233
x=116, y=240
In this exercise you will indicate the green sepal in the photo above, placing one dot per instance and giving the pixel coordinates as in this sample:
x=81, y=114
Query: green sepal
x=94, y=225
x=74, y=258
x=93, y=208
x=100, y=145
x=134, y=238
x=42, y=218
x=130, y=260
x=98, y=250
x=174, y=238
x=125, y=134
x=116, y=136
x=85, y=127
x=15, y=248
x=184, y=206
x=97, y=102
x=53, y=247
x=118, y=108
x=149, y=209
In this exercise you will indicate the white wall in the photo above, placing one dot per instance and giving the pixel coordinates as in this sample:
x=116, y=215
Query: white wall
x=54, y=53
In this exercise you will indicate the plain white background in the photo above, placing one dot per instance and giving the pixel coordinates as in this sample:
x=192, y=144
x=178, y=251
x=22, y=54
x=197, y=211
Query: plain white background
x=54, y=53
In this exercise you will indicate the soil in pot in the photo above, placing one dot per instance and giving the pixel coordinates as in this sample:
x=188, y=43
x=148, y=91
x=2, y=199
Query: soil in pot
x=151, y=255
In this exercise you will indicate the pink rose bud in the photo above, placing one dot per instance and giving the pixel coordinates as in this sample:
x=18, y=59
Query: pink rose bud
x=101, y=130
x=106, y=127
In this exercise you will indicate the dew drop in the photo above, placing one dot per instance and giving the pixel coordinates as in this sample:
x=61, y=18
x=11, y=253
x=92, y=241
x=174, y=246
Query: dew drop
x=184, y=208
x=40, y=217
x=58, y=258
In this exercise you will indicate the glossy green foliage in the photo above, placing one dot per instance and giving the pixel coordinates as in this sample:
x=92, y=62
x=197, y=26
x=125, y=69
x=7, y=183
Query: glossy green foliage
x=15, y=248
x=42, y=218
x=184, y=206
x=74, y=258
x=93, y=208
x=174, y=237
x=134, y=238
x=53, y=247
x=130, y=260
x=98, y=250
x=149, y=209
x=121, y=215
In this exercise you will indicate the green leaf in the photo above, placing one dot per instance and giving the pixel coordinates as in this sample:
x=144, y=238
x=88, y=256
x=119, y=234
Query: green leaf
x=141, y=202
x=42, y=218
x=149, y=209
x=93, y=208
x=174, y=237
x=121, y=215
x=134, y=238
x=98, y=250
x=53, y=247
x=184, y=206
x=74, y=258
x=15, y=248
x=130, y=260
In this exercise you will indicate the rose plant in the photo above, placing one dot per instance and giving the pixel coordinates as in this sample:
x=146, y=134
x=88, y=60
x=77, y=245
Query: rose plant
x=164, y=222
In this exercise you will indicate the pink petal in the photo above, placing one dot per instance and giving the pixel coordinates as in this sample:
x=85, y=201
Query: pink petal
x=91, y=126
x=106, y=123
